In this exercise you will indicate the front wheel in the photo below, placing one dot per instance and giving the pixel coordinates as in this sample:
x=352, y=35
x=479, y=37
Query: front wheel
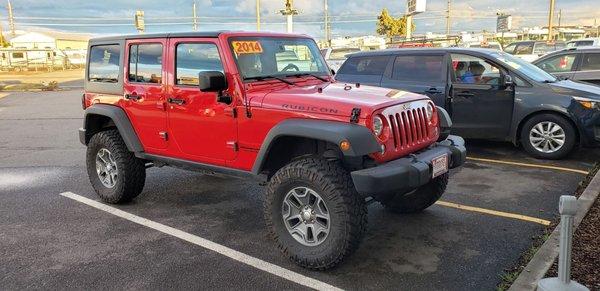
x=419, y=199
x=548, y=136
x=314, y=213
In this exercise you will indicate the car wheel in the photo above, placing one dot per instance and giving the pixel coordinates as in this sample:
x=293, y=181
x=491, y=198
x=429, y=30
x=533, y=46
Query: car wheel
x=115, y=173
x=419, y=199
x=314, y=213
x=548, y=136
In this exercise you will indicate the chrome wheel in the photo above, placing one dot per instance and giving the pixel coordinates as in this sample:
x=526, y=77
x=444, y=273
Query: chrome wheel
x=547, y=137
x=106, y=167
x=306, y=216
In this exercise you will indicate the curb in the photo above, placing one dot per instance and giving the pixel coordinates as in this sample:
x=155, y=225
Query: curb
x=543, y=259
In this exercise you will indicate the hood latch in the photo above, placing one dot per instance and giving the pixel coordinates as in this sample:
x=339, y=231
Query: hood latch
x=355, y=115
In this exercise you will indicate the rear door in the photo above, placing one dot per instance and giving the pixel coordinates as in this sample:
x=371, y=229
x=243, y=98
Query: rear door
x=367, y=70
x=589, y=70
x=562, y=65
x=481, y=106
x=144, y=91
x=203, y=129
x=423, y=73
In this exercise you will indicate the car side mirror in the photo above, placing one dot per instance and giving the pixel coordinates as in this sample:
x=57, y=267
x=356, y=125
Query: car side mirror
x=212, y=81
x=508, y=81
x=332, y=72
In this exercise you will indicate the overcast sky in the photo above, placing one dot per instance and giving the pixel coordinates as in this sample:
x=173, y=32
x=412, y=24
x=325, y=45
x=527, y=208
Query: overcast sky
x=350, y=17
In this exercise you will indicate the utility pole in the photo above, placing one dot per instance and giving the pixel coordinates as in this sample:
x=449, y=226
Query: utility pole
x=140, y=25
x=550, y=18
x=327, y=25
x=11, y=20
x=448, y=12
x=258, y=15
x=289, y=12
x=1, y=36
x=195, y=17
x=559, y=17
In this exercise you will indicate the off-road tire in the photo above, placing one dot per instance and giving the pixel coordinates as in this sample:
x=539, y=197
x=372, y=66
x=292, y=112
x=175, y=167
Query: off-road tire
x=419, y=199
x=131, y=170
x=569, y=130
x=347, y=210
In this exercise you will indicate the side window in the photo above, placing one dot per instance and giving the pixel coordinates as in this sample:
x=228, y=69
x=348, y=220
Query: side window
x=510, y=49
x=365, y=66
x=524, y=49
x=418, y=68
x=591, y=62
x=104, y=63
x=557, y=64
x=145, y=63
x=474, y=70
x=193, y=58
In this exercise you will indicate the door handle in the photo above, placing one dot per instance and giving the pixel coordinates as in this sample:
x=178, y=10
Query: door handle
x=132, y=97
x=176, y=101
x=433, y=91
x=465, y=94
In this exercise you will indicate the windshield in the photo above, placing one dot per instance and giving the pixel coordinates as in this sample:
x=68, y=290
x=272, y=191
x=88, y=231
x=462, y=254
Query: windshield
x=259, y=57
x=524, y=67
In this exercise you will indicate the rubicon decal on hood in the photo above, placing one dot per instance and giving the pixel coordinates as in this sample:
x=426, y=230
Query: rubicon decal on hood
x=309, y=108
x=395, y=94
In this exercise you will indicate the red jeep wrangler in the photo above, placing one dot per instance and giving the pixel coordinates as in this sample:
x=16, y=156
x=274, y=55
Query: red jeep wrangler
x=264, y=105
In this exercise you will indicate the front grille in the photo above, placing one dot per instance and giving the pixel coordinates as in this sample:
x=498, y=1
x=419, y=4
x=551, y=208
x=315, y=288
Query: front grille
x=409, y=127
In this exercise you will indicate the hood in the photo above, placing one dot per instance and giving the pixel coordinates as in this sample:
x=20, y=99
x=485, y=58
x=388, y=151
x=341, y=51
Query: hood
x=578, y=89
x=337, y=98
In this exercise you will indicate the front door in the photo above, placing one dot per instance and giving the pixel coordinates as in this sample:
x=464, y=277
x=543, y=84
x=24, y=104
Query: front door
x=203, y=129
x=144, y=91
x=480, y=105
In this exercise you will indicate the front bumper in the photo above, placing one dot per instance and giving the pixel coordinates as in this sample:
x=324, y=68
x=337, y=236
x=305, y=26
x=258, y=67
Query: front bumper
x=409, y=172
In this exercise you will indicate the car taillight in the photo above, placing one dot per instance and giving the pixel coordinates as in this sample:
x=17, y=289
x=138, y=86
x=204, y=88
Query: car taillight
x=83, y=101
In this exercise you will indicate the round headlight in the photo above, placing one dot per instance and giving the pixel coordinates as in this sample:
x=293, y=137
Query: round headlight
x=429, y=111
x=377, y=125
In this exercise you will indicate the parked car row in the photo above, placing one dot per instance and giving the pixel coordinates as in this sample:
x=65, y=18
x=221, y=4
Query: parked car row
x=578, y=63
x=490, y=95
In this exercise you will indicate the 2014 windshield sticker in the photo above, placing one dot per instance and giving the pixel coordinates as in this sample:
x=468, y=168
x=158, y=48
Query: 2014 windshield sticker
x=247, y=47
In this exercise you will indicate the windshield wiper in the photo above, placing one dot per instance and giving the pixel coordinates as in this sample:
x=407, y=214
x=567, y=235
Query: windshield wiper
x=260, y=78
x=308, y=74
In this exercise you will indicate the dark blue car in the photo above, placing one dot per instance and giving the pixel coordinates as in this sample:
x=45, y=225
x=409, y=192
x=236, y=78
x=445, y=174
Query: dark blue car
x=489, y=95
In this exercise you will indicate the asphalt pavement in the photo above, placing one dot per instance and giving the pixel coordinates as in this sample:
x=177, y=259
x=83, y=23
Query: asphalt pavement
x=48, y=241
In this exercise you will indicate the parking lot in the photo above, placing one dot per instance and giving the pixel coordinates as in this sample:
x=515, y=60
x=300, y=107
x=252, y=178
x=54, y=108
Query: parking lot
x=494, y=205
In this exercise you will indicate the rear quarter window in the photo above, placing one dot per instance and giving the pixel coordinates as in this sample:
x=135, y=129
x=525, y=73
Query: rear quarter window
x=104, y=63
x=418, y=68
x=590, y=62
x=372, y=66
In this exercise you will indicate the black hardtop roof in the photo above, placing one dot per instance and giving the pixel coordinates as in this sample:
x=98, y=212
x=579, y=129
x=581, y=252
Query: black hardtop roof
x=400, y=51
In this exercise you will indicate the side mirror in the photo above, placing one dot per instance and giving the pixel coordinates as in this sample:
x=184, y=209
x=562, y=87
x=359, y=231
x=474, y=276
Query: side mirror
x=508, y=81
x=332, y=72
x=211, y=81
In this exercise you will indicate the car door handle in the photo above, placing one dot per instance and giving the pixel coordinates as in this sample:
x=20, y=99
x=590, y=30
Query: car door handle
x=176, y=101
x=132, y=97
x=433, y=91
x=465, y=94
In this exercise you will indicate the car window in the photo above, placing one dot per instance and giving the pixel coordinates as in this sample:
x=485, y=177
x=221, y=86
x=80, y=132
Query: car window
x=544, y=48
x=562, y=63
x=104, y=63
x=524, y=49
x=473, y=70
x=418, y=68
x=591, y=62
x=340, y=54
x=510, y=48
x=145, y=63
x=374, y=65
x=193, y=58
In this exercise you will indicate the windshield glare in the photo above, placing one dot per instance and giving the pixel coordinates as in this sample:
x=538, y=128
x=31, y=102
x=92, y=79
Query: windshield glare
x=524, y=67
x=258, y=57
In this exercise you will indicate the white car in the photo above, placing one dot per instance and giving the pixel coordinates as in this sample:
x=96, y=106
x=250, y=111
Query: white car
x=584, y=42
x=335, y=57
x=532, y=50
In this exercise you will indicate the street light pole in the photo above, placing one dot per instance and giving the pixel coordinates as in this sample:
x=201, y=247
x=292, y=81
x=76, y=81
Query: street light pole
x=194, y=16
x=289, y=12
x=550, y=18
x=258, y=15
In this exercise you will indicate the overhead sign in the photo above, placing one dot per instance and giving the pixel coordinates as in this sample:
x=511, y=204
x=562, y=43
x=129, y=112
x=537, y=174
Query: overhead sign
x=415, y=6
x=504, y=23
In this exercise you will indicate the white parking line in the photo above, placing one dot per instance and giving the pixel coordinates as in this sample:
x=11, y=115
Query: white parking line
x=207, y=244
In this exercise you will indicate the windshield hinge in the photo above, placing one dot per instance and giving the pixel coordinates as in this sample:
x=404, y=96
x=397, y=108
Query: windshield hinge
x=355, y=115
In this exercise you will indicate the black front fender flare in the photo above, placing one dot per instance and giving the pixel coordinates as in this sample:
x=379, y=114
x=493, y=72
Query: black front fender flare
x=121, y=121
x=362, y=141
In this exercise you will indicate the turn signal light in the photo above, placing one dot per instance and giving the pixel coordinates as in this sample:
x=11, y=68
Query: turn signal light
x=345, y=145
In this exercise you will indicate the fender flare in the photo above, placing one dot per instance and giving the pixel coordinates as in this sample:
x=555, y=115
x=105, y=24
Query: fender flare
x=362, y=141
x=122, y=122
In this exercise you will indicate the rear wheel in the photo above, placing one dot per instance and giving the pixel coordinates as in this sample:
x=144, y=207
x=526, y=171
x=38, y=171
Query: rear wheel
x=548, y=136
x=419, y=199
x=314, y=213
x=115, y=173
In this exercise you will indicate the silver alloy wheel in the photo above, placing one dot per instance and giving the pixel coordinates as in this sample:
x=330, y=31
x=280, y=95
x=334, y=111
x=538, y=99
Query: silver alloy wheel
x=306, y=216
x=547, y=137
x=106, y=167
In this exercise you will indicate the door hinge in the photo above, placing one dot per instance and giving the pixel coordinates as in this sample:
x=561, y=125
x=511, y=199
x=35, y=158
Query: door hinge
x=163, y=135
x=233, y=145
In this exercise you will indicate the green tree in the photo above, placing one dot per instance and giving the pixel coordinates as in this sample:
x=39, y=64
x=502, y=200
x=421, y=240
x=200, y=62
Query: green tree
x=389, y=26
